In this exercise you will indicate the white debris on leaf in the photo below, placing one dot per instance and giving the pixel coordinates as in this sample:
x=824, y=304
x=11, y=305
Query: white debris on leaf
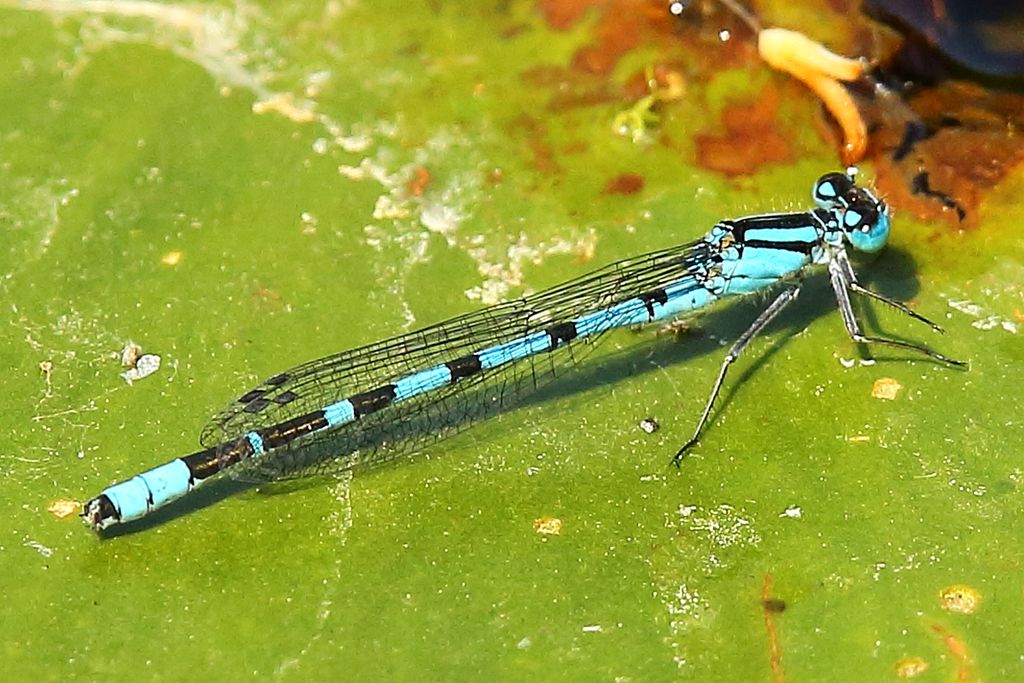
x=440, y=218
x=139, y=364
x=984, y=321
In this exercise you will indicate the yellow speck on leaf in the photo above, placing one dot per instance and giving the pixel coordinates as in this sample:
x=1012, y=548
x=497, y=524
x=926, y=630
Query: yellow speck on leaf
x=886, y=388
x=63, y=507
x=960, y=598
x=548, y=526
x=910, y=667
x=286, y=105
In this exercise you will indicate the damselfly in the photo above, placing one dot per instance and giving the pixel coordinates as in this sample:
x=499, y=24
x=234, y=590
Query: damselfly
x=388, y=397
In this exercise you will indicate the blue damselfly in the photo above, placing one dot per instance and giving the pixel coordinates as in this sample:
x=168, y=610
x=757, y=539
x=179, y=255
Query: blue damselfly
x=388, y=397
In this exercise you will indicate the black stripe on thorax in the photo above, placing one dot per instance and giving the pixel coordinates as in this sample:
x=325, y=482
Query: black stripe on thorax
x=740, y=226
x=799, y=247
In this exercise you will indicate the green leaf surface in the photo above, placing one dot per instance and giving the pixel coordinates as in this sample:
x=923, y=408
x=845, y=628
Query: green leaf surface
x=241, y=188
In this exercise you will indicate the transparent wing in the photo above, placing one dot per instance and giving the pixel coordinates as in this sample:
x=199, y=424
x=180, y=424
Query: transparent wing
x=404, y=425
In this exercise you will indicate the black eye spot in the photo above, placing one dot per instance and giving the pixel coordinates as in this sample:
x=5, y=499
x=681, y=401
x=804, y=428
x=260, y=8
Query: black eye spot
x=831, y=186
x=861, y=216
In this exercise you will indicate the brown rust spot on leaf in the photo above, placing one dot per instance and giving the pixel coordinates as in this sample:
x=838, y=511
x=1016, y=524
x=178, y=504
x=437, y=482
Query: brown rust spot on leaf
x=751, y=138
x=418, y=181
x=541, y=152
x=959, y=652
x=770, y=606
x=561, y=15
x=625, y=183
x=619, y=27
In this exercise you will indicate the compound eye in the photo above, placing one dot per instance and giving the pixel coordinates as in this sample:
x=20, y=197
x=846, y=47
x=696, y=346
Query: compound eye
x=860, y=217
x=832, y=189
x=866, y=225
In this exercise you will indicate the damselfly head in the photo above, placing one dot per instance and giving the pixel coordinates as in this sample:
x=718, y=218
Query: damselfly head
x=863, y=218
